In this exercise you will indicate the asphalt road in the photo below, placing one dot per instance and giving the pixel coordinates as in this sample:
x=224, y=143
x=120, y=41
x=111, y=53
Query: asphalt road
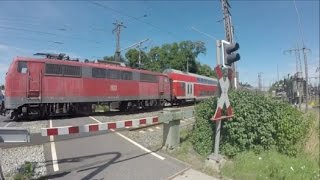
x=105, y=156
x=102, y=155
x=108, y=156
x=4, y=122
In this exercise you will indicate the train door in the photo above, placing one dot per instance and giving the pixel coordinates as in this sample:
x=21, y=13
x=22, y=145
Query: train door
x=161, y=85
x=34, y=79
x=189, y=90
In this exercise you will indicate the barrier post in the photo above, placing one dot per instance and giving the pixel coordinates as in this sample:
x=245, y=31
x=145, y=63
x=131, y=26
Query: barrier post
x=1, y=172
x=171, y=128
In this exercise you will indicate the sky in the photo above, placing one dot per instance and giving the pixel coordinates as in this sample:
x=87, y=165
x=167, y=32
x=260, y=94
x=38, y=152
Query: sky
x=83, y=29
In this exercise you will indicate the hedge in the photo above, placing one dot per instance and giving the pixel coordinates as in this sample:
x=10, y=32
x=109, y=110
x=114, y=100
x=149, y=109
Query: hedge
x=259, y=123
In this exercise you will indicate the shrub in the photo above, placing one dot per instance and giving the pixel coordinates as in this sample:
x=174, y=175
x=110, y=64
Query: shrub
x=259, y=123
x=202, y=135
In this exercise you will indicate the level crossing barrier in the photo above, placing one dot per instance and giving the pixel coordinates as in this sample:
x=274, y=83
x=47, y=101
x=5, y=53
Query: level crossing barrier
x=170, y=118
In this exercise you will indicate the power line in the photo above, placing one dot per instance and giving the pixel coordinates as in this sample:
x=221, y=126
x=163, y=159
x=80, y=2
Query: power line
x=206, y=34
x=299, y=22
x=38, y=40
x=63, y=27
x=304, y=49
x=47, y=33
x=132, y=17
x=25, y=23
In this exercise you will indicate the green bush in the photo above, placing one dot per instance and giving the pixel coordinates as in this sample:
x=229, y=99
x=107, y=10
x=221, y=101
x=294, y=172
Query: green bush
x=260, y=123
x=203, y=130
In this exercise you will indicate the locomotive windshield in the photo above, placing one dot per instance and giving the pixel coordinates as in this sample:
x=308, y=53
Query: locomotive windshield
x=22, y=67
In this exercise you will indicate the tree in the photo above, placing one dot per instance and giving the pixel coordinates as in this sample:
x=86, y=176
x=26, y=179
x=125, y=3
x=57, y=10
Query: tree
x=205, y=70
x=111, y=58
x=246, y=85
x=175, y=55
x=108, y=58
x=133, y=58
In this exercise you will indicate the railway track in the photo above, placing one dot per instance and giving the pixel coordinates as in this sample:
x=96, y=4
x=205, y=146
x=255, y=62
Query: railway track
x=111, y=113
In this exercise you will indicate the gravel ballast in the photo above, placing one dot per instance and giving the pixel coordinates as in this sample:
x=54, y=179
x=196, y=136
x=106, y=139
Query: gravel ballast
x=153, y=139
x=32, y=126
x=13, y=158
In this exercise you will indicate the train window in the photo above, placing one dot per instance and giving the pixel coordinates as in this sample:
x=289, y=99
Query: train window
x=98, y=73
x=126, y=75
x=182, y=85
x=22, y=67
x=55, y=69
x=114, y=74
x=148, y=77
x=71, y=71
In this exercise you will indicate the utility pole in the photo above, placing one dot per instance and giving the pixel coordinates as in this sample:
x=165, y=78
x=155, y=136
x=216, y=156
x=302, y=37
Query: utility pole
x=304, y=49
x=229, y=37
x=299, y=73
x=139, y=46
x=298, y=58
x=187, y=64
x=259, y=81
x=307, y=75
x=278, y=72
x=117, y=29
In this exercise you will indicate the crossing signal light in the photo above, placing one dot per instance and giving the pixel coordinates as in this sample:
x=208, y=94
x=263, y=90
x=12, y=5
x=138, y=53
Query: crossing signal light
x=229, y=54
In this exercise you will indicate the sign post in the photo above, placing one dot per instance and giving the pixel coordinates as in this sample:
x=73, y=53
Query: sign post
x=224, y=74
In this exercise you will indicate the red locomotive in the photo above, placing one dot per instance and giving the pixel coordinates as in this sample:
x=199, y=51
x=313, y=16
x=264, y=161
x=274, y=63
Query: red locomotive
x=56, y=85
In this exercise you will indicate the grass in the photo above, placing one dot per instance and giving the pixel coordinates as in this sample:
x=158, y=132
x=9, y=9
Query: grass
x=311, y=146
x=273, y=165
x=26, y=171
x=266, y=165
x=187, y=154
x=270, y=165
x=102, y=108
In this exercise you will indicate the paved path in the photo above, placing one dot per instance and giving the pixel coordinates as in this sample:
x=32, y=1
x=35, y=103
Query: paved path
x=192, y=174
x=4, y=122
x=106, y=156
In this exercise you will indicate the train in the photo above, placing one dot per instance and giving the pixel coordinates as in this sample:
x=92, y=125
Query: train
x=54, y=85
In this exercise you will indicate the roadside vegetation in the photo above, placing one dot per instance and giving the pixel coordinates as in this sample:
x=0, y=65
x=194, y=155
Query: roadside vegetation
x=25, y=172
x=266, y=139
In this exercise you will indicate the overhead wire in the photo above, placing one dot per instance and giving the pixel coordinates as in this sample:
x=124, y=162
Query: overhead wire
x=48, y=33
x=132, y=17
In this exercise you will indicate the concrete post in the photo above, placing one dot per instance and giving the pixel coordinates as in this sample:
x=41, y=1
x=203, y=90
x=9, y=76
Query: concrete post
x=171, y=128
x=1, y=172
